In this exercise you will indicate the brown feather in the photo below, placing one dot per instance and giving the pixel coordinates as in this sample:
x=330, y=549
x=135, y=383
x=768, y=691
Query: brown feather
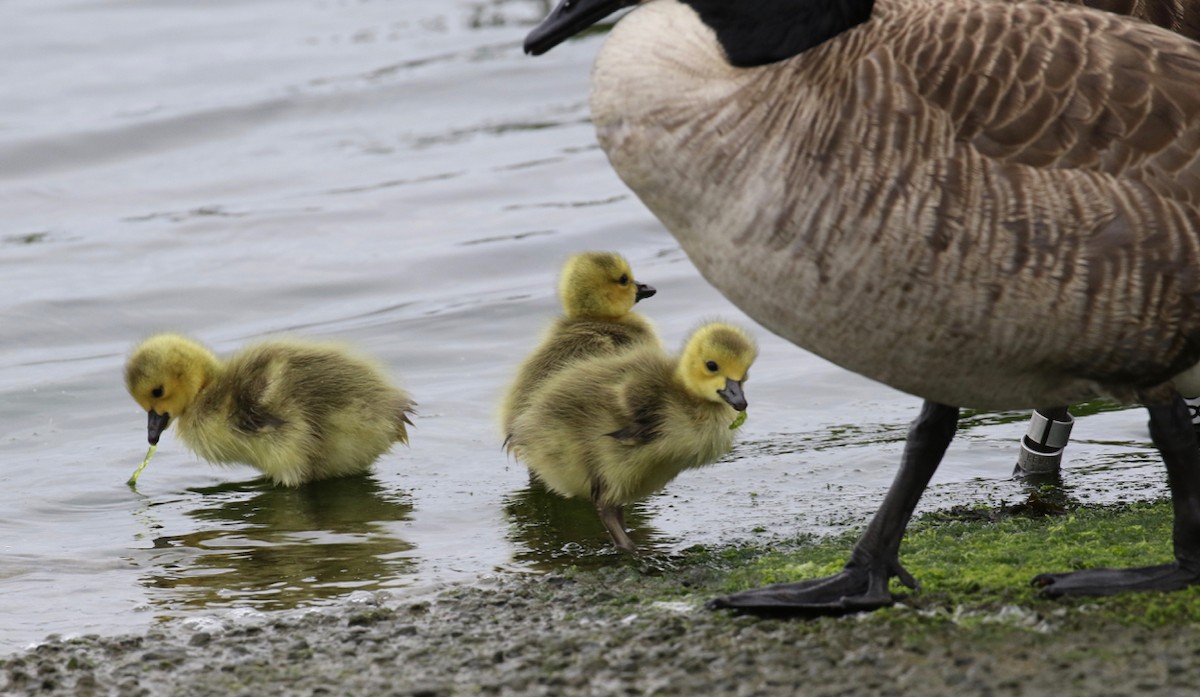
x=990, y=204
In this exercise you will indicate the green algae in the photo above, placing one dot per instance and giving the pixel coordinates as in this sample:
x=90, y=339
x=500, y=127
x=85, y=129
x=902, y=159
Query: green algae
x=974, y=565
x=977, y=561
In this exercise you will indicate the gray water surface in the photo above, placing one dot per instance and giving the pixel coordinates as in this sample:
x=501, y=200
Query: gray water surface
x=395, y=174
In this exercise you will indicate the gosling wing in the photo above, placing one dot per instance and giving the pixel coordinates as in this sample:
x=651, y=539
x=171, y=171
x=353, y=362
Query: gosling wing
x=255, y=395
x=640, y=413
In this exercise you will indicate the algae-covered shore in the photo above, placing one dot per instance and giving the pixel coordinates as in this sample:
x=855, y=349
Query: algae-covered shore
x=639, y=627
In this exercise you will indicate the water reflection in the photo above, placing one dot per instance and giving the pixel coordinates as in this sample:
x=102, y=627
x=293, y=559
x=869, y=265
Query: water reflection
x=1133, y=472
x=551, y=532
x=281, y=548
x=871, y=432
x=498, y=13
x=971, y=418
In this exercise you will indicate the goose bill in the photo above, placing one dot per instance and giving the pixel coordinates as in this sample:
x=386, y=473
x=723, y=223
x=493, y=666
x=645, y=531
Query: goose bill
x=568, y=19
x=733, y=394
x=156, y=424
x=644, y=291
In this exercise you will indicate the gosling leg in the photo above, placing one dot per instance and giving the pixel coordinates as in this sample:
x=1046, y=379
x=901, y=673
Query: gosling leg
x=613, y=518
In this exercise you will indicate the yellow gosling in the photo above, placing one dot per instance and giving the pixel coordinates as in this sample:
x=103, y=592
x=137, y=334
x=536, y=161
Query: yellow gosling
x=598, y=292
x=299, y=411
x=617, y=428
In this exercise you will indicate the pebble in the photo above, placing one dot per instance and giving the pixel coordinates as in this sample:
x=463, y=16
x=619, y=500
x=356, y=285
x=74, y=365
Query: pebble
x=590, y=634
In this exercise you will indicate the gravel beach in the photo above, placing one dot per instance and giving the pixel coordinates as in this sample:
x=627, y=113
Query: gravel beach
x=628, y=630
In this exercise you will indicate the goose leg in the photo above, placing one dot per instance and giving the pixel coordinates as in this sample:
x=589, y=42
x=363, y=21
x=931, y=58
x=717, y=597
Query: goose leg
x=875, y=559
x=1171, y=430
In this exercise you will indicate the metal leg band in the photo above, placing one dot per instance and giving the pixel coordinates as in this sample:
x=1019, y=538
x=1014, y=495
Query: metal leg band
x=1193, y=404
x=1050, y=434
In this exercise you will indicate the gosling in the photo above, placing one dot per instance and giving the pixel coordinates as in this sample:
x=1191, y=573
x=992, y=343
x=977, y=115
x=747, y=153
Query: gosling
x=298, y=411
x=618, y=428
x=598, y=292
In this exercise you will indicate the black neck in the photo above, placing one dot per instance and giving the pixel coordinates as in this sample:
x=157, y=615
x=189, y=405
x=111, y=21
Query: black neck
x=757, y=32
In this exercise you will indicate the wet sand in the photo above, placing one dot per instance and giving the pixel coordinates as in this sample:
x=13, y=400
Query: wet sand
x=629, y=629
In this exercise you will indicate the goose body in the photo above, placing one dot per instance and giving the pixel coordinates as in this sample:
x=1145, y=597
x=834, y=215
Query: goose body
x=598, y=292
x=1181, y=16
x=298, y=411
x=954, y=201
x=1049, y=428
x=617, y=428
x=985, y=204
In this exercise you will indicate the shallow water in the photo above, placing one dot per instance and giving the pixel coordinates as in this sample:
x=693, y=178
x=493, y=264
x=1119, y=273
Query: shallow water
x=395, y=174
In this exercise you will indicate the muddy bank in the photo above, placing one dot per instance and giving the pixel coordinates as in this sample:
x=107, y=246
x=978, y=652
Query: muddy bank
x=633, y=630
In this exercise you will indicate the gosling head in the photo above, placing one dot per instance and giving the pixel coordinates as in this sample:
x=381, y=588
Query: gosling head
x=164, y=374
x=716, y=363
x=599, y=285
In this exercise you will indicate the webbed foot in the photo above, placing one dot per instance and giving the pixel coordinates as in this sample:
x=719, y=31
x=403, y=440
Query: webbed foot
x=1094, y=582
x=1172, y=433
x=856, y=588
x=863, y=584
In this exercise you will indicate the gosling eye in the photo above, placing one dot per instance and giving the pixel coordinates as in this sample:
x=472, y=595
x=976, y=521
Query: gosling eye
x=712, y=366
x=624, y=279
x=157, y=392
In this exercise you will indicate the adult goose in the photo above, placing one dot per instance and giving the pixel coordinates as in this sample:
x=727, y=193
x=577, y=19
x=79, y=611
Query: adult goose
x=1049, y=429
x=985, y=204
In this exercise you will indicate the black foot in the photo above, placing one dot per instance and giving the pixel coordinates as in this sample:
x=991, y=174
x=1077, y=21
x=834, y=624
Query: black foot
x=1093, y=582
x=863, y=584
x=854, y=589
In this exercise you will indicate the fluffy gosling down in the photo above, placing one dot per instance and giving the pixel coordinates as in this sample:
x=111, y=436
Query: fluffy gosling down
x=298, y=411
x=617, y=428
x=598, y=292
